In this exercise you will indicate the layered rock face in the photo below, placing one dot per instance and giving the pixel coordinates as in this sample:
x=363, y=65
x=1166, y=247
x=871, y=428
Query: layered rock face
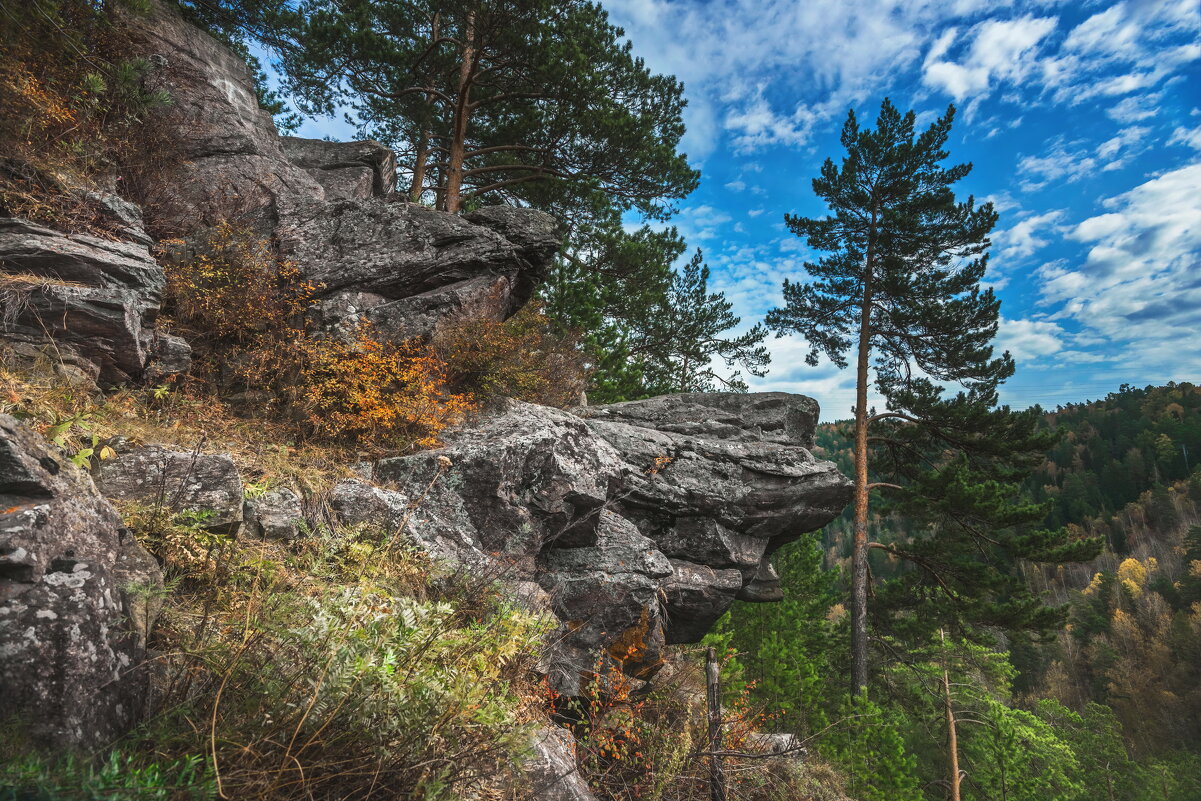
x=94, y=299
x=76, y=599
x=642, y=521
x=330, y=206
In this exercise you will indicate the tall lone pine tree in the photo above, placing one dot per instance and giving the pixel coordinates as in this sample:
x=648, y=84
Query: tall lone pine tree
x=900, y=285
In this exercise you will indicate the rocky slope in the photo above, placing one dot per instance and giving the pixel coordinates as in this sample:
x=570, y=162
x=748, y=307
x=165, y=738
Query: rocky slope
x=636, y=525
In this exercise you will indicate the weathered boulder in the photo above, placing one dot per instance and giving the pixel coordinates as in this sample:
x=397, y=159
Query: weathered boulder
x=207, y=484
x=720, y=481
x=525, y=479
x=641, y=525
x=95, y=298
x=71, y=624
x=345, y=170
x=404, y=268
x=276, y=514
x=224, y=159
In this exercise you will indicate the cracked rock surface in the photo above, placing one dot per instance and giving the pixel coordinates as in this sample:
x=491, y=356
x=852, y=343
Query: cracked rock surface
x=72, y=628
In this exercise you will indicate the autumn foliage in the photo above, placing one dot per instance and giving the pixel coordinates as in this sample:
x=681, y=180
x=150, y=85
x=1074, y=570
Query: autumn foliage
x=377, y=392
x=523, y=357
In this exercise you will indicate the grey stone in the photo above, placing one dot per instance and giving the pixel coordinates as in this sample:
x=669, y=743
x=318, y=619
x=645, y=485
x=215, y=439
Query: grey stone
x=95, y=298
x=69, y=651
x=783, y=418
x=640, y=535
x=205, y=483
x=224, y=160
x=524, y=478
x=277, y=514
x=347, y=170
x=405, y=268
x=550, y=771
x=123, y=216
x=169, y=356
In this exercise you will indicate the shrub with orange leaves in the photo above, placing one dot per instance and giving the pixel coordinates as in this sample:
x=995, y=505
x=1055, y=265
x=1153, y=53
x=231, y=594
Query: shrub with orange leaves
x=378, y=392
x=228, y=286
x=523, y=357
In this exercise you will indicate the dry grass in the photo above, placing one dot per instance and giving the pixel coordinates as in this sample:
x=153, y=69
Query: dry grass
x=169, y=416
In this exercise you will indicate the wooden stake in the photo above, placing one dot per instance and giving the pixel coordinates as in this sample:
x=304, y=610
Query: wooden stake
x=717, y=776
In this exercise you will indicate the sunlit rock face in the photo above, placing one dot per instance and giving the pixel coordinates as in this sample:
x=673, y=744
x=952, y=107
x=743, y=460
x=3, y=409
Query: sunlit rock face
x=641, y=521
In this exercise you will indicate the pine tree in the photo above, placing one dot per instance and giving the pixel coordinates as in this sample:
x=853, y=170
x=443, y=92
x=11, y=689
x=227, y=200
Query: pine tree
x=900, y=284
x=687, y=333
x=527, y=100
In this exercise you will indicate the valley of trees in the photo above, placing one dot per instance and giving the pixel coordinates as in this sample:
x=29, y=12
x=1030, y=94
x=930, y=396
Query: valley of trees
x=1104, y=704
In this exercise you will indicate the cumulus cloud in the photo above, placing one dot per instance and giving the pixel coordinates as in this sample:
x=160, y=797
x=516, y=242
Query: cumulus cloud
x=1000, y=50
x=1138, y=288
x=1027, y=340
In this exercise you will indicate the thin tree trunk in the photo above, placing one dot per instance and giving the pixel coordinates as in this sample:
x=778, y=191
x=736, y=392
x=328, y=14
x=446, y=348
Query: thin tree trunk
x=453, y=201
x=417, y=188
x=952, y=731
x=859, y=550
x=717, y=775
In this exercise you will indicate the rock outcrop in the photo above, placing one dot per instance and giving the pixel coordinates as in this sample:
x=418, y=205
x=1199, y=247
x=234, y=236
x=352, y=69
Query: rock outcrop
x=404, y=268
x=205, y=484
x=95, y=300
x=330, y=206
x=76, y=598
x=345, y=170
x=642, y=521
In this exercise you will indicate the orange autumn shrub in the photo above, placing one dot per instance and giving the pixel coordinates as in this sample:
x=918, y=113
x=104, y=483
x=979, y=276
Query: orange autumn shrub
x=229, y=287
x=378, y=393
x=522, y=357
x=244, y=311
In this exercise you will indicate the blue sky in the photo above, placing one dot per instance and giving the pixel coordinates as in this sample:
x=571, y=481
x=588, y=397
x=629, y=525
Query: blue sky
x=1083, y=121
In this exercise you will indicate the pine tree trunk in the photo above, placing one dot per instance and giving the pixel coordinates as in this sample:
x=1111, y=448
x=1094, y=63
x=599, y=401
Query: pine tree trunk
x=859, y=550
x=453, y=201
x=417, y=188
x=952, y=733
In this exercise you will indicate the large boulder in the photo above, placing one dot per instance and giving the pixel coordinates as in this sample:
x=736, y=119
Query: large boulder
x=207, y=485
x=345, y=170
x=95, y=299
x=76, y=600
x=642, y=522
x=221, y=156
x=720, y=482
x=405, y=269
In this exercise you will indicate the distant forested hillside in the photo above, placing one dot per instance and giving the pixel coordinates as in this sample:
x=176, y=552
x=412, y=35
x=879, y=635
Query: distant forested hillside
x=1109, y=707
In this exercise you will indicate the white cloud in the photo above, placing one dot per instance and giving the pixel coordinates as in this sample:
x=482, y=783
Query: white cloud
x=736, y=186
x=1022, y=239
x=754, y=212
x=1189, y=137
x=1135, y=109
x=1061, y=162
x=755, y=124
x=1139, y=288
x=700, y=223
x=1001, y=50
x=1027, y=340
